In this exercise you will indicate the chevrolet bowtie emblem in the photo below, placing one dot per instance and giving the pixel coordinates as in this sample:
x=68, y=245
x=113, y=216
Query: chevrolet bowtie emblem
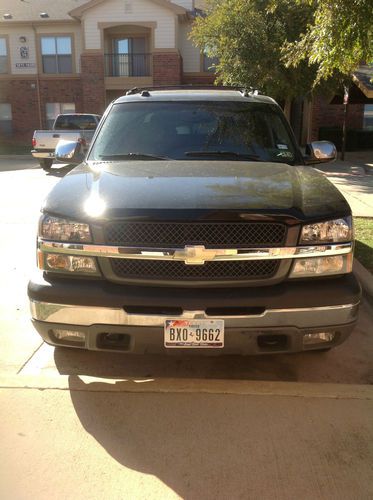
x=197, y=255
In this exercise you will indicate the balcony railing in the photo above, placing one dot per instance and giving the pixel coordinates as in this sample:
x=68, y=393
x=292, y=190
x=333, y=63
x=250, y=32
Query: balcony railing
x=128, y=64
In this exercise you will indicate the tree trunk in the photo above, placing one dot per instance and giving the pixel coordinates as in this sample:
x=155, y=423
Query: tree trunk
x=287, y=109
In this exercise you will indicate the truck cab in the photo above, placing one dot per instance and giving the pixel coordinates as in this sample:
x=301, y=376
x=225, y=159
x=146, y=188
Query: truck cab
x=194, y=224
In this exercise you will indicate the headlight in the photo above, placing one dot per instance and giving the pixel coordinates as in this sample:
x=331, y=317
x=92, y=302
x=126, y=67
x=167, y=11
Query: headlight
x=54, y=228
x=332, y=231
x=322, y=266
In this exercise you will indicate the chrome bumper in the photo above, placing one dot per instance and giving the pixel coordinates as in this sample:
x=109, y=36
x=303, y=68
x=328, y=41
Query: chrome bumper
x=41, y=154
x=293, y=317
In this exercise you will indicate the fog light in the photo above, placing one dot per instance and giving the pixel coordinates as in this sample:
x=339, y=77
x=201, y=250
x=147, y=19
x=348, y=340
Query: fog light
x=318, y=338
x=68, y=263
x=69, y=335
x=56, y=261
x=322, y=266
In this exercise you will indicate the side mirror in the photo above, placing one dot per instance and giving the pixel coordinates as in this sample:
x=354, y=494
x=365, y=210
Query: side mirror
x=69, y=152
x=320, y=152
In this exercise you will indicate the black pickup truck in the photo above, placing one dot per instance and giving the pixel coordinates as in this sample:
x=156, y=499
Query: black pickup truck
x=194, y=223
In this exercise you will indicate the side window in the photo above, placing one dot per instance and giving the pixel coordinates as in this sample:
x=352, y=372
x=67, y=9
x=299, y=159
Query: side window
x=368, y=117
x=3, y=56
x=56, y=54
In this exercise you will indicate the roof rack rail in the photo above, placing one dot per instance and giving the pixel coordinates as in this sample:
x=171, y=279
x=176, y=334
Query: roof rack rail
x=244, y=90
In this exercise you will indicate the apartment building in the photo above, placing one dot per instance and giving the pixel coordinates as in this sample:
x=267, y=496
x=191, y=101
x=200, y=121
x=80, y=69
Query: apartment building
x=74, y=55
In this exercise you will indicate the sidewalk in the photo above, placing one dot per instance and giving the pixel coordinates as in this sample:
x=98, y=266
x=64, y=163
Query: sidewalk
x=354, y=178
x=79, y=437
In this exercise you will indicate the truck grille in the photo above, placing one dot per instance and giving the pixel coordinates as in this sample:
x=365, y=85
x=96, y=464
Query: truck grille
x=178, y=234
x=176, y=270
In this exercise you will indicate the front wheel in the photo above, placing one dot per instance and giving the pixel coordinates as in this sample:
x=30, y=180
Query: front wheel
x=46, y=163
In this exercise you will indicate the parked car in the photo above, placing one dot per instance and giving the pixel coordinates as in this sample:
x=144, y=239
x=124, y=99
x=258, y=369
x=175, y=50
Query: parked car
x=195, y=224
x=69, y=127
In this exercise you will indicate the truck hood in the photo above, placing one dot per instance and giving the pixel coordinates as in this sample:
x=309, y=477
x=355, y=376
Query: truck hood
x=194, y=189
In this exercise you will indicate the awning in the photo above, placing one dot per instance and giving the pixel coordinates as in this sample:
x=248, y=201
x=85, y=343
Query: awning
x=363, y=78
x=362, y=91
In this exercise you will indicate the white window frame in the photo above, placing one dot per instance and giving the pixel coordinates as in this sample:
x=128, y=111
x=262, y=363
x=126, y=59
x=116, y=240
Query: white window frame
x=4, y=58
x=56, y=54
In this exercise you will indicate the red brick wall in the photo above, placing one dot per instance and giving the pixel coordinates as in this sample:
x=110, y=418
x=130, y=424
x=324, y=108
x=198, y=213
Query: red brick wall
x=23, y=97
x=61, y=90
x=93, y=83
x=331, y=115
x=167, y=68
x=198, y=79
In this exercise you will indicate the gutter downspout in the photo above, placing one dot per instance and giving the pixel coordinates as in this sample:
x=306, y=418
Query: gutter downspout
x=37, y=78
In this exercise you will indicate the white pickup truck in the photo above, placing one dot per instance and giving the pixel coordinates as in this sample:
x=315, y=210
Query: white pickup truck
x=78, y=127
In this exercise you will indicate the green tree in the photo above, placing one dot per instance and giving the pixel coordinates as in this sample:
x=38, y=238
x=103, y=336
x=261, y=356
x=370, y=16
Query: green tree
x=248, y=36
x=338, y=38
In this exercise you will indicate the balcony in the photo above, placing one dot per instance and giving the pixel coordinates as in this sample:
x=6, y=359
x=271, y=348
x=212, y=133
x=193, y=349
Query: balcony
x=128, y=65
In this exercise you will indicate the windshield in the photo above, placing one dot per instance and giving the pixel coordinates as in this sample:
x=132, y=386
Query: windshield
x=194, y=130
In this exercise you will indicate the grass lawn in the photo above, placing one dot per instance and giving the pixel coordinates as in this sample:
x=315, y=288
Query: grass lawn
x=364, y=241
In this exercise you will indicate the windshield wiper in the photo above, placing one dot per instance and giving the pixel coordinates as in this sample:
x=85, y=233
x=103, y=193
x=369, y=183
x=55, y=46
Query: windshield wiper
x=234, y=154
x=133, y=156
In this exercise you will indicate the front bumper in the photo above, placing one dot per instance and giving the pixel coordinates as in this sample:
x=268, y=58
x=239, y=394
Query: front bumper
x=257, y=320
x=43, y=154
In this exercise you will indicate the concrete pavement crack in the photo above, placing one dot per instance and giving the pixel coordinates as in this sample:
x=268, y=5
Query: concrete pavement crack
x=29, y=358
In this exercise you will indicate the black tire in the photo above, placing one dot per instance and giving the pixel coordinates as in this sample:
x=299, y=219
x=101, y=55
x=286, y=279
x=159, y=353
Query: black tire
x=46, y=163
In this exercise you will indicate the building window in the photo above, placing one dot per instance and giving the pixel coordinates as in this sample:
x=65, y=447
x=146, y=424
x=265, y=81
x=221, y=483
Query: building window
x=57, y=108
x=129, y=57
x=56, y=54
x=5, y=118
x=209, y=63
x=3, y=56
x=368, y=117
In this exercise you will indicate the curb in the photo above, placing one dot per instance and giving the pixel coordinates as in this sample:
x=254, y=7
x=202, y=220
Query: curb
x=364, y=276
x=16, y=157
x=83, y=383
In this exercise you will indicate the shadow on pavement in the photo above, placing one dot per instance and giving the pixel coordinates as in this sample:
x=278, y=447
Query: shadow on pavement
x=59, y=171
x=129, y=366
x=10, y=165
x=232, y=446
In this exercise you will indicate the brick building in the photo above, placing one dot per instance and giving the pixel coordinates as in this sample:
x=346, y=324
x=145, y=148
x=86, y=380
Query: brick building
x=74, y=55
x=78, y=55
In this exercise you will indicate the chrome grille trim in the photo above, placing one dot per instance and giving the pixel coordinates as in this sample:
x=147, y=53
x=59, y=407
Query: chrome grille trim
x=205, y=255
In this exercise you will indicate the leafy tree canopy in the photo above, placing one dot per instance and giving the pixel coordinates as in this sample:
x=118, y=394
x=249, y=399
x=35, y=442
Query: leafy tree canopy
x=247, y=37
x=338, y=38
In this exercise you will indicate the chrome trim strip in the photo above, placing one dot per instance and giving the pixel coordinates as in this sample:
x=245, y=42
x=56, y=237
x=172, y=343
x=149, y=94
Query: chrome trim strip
x=195, y=254
x=90, y=315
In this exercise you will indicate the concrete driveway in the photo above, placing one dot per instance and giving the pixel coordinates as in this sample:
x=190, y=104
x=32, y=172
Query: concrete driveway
x=78, y=424
x=354, y=178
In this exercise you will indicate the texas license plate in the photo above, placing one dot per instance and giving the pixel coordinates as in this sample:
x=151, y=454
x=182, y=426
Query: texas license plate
x=199, y=333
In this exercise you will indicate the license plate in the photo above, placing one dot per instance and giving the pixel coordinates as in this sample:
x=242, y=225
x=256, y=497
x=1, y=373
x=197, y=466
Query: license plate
x=199, y=333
